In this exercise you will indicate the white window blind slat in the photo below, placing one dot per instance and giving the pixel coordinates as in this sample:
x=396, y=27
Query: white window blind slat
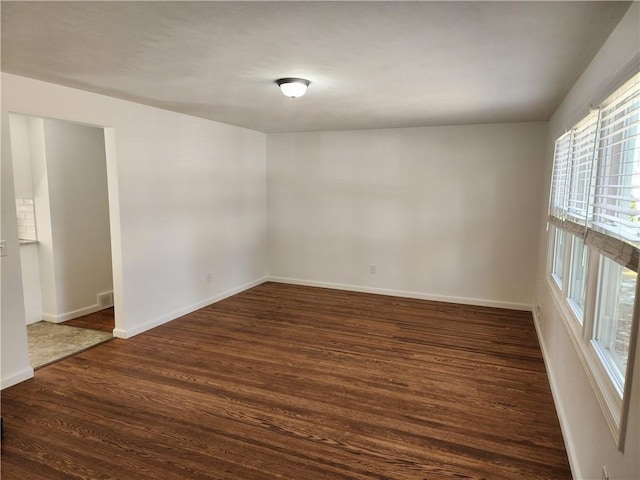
x=625, y=108
x=617, y=175
x=626, y=103
x=579, y=192
x=619, y=125
x=616, y=207
x=615, y=197
x=615, y=139
x=619, y=205
x=560, y=176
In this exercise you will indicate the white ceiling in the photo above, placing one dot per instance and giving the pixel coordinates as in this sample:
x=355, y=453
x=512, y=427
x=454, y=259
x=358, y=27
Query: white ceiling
x=371, y=64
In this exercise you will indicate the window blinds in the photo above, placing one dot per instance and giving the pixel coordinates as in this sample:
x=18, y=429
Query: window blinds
x=595, y=191
x=560, y=180
x=579, y=194
x=616, y=208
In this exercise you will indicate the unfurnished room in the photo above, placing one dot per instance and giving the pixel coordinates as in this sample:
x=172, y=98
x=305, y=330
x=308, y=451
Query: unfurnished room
x=320, y=240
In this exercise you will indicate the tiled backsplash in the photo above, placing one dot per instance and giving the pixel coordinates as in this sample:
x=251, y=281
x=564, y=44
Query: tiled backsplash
x=26, y=219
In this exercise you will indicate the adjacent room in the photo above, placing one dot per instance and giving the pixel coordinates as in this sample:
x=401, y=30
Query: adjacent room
x=329, y=240
x=62, y=208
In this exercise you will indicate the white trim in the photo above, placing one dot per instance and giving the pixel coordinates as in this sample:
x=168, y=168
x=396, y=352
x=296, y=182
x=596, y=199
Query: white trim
x=63, y=317
x=616, y=81
x=574, y=463
x=16, y=378
x=124, y=333
x=403, y=293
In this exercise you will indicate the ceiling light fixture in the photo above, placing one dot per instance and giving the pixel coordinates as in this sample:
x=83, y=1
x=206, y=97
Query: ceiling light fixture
x=293, y=87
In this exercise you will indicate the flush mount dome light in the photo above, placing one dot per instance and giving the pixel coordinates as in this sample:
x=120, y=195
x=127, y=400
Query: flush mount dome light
x=293, y=87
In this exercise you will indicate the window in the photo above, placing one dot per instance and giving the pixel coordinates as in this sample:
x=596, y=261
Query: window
x=577, y=277
x=616, y=209
x=558, y=256
x=560, y=173
x=581, y=152
x=613, y=319
x=594, y=208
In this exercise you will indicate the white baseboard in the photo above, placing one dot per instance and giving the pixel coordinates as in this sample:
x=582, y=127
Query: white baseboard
x=573, y=460
x=128, y=333
x=402, y=293
x=63, y=317
x=16, y=378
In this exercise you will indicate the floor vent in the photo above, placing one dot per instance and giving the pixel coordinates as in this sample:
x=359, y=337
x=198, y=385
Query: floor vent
x=105, y=299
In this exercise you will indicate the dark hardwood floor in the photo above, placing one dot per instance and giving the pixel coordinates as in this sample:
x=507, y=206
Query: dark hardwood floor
x=104, y=320
x=298, y=383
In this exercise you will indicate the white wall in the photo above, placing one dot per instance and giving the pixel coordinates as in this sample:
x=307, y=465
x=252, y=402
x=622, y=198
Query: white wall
x=443, y=212
x=30, y=269
x=42, y=205
x=21, y=155
x=14, y=356
x=589, y=442
x=187, y=197
x=77, y=177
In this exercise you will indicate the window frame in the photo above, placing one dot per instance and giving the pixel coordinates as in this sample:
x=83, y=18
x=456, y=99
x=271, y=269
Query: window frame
x=600, y=243
x=614, y=402
x=607, y=358
x=559, y=278
x=577, y=310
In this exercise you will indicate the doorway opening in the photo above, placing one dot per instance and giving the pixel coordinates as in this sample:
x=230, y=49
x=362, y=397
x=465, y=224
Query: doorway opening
x=63, y=207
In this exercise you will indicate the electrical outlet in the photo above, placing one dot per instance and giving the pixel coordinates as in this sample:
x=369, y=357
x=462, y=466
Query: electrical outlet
x=605, y=474
x=209, y=277
x=372, y=269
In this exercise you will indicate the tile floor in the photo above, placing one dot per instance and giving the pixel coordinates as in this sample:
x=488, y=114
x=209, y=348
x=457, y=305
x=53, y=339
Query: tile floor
x=50, y=342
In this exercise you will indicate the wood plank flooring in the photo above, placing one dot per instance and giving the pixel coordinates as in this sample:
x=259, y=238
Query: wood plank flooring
x=299, y=383
x=103, y=320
